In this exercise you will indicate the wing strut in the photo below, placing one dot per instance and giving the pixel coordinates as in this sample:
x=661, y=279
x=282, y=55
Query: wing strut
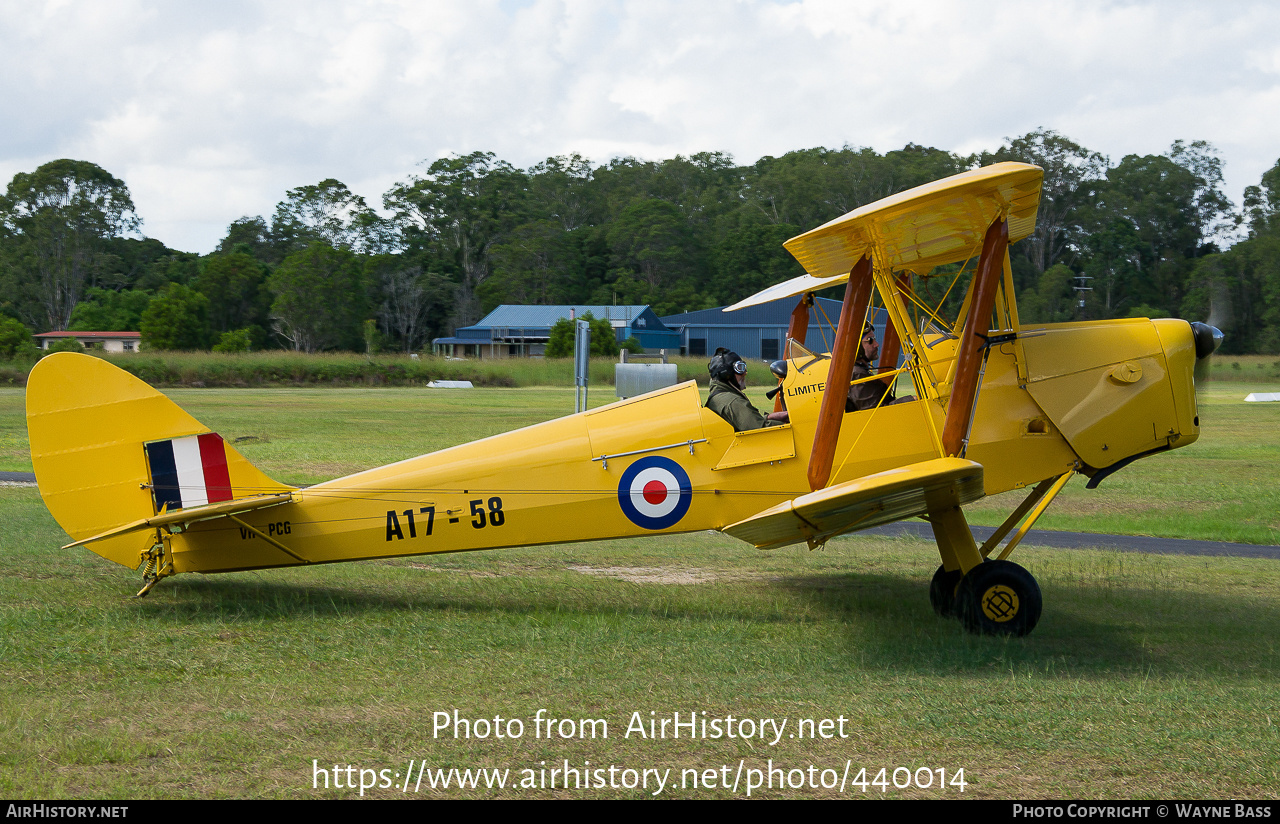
x=964, y=389
x=892, y=345
x=857, y=295
x=950, y=529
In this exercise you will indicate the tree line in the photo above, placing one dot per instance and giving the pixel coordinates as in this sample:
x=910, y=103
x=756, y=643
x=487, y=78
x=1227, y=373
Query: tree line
x=1149, y=235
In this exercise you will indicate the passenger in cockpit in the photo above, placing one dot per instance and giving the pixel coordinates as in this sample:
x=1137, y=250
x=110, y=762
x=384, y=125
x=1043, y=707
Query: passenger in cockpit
x=868, y=395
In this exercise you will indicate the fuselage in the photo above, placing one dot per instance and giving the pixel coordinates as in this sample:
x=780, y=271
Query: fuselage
x=1060, y=397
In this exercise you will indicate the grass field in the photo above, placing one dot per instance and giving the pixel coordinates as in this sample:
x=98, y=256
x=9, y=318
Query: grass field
x=1147, y=676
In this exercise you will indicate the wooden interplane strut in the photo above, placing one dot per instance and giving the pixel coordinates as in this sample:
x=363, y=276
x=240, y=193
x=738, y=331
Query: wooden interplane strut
x=964, y=388
x=857, y=296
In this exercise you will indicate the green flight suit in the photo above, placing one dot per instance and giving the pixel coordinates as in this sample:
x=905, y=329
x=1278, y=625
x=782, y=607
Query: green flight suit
x=728, y=402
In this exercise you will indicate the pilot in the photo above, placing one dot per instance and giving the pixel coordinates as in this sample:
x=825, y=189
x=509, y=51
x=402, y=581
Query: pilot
x=728, y=379
x=868, y=395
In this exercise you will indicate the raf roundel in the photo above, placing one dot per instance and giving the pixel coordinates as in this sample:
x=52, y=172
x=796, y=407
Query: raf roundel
x=655, y=492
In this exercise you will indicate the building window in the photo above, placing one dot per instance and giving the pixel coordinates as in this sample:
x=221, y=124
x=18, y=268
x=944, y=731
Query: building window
x=697, y=346
x=769, y=349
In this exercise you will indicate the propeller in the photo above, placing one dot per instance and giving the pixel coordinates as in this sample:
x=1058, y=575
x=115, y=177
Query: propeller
x=1219, y=306
x=1207, y=338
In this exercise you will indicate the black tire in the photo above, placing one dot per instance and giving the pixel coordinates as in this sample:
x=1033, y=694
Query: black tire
x=999, y=598
x=942, y=591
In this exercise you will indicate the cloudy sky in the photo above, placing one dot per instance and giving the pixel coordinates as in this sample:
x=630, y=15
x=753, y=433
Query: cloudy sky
x=211, y=110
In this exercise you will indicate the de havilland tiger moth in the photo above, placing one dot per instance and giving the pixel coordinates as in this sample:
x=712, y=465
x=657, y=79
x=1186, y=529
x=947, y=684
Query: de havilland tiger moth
x=998, y=405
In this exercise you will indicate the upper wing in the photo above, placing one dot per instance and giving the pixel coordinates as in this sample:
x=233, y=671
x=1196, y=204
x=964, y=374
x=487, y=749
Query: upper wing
x=918, y=489
x=931, y=225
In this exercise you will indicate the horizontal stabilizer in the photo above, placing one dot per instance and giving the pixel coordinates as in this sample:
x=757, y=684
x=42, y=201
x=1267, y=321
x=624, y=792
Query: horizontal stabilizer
x=190, y=515
x=906, y=492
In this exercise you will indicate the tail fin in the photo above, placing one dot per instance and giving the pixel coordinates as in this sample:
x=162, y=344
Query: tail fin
x=109, y=450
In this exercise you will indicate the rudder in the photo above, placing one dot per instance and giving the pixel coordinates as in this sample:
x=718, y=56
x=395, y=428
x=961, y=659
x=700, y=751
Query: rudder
x=98, y=434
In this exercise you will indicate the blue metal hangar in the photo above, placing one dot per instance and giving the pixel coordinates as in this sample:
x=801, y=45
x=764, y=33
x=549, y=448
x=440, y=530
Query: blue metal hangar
x=522, y=331
x=757, y=332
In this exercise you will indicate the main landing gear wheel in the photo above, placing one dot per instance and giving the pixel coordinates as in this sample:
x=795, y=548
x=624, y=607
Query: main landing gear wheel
x=942, y=591
x=999, y=598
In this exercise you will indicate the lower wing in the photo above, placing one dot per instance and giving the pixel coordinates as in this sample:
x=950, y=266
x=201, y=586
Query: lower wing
x=906, y=492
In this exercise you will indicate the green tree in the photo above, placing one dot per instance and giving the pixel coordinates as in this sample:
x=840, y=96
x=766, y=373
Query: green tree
x=806, y=188
x=60, y=217
x=1051, y=299
x=1142, y=310
x=1145, y=231
x=456, y=212
x=531, y=266
x=748, y=256
x=64, y=345
x=238, y=340
x=320, y=299
x=1071, y=172
x=251, y=236
x=604, y=341
x=330, y=213
x=561, y=189
x=131, y=263
x=15, y=339
x=176, y=318
x=1262, y=202
x=1262, y=259
x=103, y=310
x=794, y=189
x=914, y=165
x=651, y=239
x=1239, y=290
x=236, y=286
x=1211, y=211
x=179, y=267
x=411, y=299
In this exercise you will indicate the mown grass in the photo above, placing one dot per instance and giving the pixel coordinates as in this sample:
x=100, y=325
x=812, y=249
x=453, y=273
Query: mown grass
x=1147, y=676
x=1244, y=369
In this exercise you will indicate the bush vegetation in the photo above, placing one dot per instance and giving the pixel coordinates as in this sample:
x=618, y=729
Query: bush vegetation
x=286, y=368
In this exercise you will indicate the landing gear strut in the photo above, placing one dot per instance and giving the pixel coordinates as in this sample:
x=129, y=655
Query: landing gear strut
x=158, y=565
x=995, y=596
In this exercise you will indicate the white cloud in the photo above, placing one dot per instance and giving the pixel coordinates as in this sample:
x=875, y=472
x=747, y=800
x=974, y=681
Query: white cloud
x=213, y=111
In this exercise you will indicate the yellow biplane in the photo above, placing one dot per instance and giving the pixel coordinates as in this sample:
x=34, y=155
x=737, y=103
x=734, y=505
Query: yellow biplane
x=997, y=406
